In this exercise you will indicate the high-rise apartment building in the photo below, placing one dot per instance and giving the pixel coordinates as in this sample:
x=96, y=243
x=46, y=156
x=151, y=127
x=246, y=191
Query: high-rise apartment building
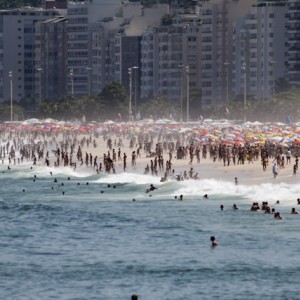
x=82, y=17
x=293, y=51
x=112, y=47
x=259, y=49
x=170, y=59
x=17, y=48
x=50, y=59
x=217, y=18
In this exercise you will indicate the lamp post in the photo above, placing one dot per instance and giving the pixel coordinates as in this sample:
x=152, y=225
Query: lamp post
x=10, y=75
x=130, y=93
x=181, y=96
x=72, y=81
x=181, y=91
x=245, y=89
x=187, y=73
x=273, y=62
x=40, y=70
x=135, y=89
x=227, y=82
x=89, y=80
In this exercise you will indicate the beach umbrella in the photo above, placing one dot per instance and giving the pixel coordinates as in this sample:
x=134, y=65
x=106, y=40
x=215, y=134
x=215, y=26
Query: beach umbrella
x=284, y=145
x=286, y=140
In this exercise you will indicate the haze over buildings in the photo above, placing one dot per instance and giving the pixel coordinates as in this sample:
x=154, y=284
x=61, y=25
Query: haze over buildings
x=219, y=49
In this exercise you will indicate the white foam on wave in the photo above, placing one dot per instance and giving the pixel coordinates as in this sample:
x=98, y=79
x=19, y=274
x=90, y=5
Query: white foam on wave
x=205, y=186
x=129, y=178
x=26, y=169
x=285, y=193
x=69, y=172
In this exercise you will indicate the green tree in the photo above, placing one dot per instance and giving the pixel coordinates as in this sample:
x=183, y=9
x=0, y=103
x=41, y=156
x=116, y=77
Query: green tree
x=195, y=104
x=166, y=20
x=159, y=108
x=113, y=100
x=10, y=4
x=5, y=112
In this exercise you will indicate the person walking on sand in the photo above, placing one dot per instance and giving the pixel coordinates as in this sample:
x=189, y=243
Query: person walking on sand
x=295, y=170
x=275, y=170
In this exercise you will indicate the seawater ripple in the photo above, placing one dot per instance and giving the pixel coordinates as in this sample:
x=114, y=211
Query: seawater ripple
x=91, y=245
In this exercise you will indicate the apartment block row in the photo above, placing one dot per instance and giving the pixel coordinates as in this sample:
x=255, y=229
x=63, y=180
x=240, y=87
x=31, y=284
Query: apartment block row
x=218, y=48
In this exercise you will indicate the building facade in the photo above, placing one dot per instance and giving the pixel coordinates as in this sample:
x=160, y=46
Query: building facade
x=218, y=18
x=17, y=54
x=170, y=64
x=50, y=59
x=293, y=43
x=82, y=17
x=259, y=52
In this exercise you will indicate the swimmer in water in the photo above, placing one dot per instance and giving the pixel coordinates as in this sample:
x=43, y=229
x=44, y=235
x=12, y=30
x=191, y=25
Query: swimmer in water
x=294, y=211
x=234, y=207
x=152, y=188
x=214, y=242
x=277, y=216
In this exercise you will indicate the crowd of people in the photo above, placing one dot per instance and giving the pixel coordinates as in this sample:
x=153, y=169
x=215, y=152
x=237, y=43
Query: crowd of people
x=160, y=152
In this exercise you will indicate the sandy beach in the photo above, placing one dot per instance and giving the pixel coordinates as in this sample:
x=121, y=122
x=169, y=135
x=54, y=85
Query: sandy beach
x=247, y=173
x=62, y=135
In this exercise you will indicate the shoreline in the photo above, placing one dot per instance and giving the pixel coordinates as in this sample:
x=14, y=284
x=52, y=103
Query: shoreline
x=247, y=173
x=132, y=137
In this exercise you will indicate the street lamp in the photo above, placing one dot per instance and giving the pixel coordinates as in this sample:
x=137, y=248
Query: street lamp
x=89, y=80
x=187, y=73
x=227, y=82
x=72, y=81
x=181, y=92
x=135, y=89
x=40, y=70
x=130, y=92
x=10, y=75
x=245, y=89
x=273, y=62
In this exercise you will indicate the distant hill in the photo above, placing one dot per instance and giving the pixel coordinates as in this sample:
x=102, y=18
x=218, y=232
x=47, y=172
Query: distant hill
x=183, y=3
x=9, y=4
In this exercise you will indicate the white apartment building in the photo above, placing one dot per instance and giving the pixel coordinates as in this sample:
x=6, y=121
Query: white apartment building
x=259, y=50
x=82, y=17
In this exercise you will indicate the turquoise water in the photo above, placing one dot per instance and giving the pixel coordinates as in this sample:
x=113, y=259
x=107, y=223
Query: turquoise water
x=91, y=245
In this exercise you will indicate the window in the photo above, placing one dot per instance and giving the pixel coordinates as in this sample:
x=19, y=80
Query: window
x=192, y=39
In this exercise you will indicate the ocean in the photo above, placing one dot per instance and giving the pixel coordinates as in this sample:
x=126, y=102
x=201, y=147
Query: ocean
x=103, y=237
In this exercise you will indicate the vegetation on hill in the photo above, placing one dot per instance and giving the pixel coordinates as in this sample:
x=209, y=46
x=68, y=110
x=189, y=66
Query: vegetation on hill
x=10, y=4
x=149, y=3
